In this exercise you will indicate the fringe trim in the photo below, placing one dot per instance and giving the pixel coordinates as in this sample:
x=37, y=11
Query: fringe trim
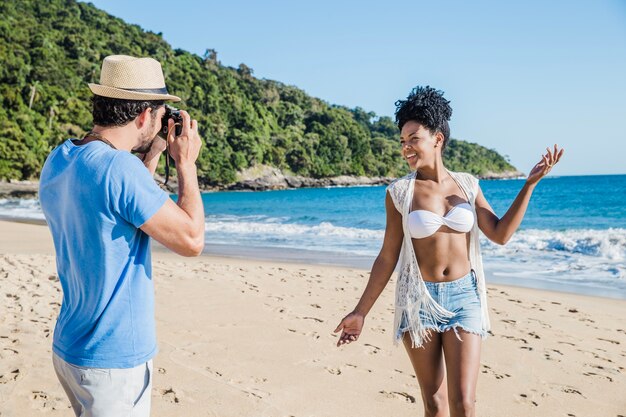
x=483, y=335
x=428, y=308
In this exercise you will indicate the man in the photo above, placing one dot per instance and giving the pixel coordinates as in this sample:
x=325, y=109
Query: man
x=102, y=206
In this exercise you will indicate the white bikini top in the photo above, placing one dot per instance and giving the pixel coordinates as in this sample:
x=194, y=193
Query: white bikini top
x=424, y=223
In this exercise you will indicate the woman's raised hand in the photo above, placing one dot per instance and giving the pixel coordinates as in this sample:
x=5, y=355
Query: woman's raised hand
x=350, y=328
x=543, y=167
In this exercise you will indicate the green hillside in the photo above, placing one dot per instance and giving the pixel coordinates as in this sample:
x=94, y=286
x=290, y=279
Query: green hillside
x=49, y=50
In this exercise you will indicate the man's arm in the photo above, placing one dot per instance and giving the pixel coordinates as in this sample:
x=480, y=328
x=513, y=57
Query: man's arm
x=151, y=158
x=180, y=226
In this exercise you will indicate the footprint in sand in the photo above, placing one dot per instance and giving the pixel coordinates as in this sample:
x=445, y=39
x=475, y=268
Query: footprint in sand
x=312, y=335
x=170, y=395
x=398, y=395
x=333, y=371
x=525, y=397
x=11, y=376
x=571, y=390
x=488, y=370
x=312, y=318
x=252, y=287
x=595, y=355
x=542, y=323
x=214, y=372
x=259, y=380
x=280, y=310
x=10, y=351
x=42, y=401
x=549, y=357
x=372, y=349
x=379, y=329
x=615, y=342
x=598, y=375
x=517, y=339
x=256, y=393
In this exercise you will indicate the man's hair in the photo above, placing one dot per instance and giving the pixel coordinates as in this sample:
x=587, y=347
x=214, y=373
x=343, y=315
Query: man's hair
x=119, y=112
x=426, y=106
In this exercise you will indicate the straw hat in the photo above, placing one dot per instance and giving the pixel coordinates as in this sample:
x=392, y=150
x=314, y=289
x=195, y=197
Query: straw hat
x=129, y=78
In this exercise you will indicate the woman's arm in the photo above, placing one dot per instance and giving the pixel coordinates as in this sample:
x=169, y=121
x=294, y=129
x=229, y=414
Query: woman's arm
x=382, y=269
x=500, y=230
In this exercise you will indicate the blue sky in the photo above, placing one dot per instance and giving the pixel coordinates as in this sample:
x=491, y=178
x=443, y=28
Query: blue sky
x=520, y=75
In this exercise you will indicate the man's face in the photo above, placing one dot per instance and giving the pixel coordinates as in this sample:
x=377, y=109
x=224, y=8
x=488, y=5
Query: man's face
x=150, y=130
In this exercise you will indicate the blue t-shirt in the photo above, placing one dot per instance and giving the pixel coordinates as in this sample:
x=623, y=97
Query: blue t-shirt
x=94, y=199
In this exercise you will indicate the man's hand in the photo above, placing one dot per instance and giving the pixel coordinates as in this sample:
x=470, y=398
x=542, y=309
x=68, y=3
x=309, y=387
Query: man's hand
x=151, y=158
x=180, y=226
x=186, y=147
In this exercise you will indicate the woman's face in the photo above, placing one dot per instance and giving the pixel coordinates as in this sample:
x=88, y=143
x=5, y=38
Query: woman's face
x=419, y=146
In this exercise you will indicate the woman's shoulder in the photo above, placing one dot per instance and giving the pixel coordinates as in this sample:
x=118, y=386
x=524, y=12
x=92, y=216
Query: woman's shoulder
x=402, y=181
x=464, y=176
x=467, y=181
x=398, y=190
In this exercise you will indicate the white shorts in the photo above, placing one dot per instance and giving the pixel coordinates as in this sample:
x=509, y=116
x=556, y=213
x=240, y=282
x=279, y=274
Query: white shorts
x=98, y=392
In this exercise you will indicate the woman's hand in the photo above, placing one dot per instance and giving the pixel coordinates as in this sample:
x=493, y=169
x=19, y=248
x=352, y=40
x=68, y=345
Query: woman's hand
x=544, y=166
x=350, y=327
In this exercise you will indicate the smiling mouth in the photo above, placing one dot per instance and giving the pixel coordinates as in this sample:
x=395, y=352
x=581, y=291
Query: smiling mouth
x=411, y=156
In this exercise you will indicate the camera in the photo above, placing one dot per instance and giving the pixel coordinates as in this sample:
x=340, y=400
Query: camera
x=171, y=113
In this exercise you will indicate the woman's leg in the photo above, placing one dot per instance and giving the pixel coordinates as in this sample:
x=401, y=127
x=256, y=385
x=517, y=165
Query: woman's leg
x=430, y=371
x=462, y=365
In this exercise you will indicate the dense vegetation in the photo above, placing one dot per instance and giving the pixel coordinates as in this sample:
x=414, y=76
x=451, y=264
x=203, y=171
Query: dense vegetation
x=49, y=50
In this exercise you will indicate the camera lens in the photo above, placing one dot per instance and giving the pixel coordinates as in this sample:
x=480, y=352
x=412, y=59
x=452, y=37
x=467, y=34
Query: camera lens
x=171, y=113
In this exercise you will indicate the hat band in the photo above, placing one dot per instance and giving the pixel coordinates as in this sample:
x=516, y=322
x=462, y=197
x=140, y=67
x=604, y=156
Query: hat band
x=147, y=90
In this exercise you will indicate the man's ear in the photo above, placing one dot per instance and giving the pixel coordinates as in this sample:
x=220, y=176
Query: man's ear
x=143, y=118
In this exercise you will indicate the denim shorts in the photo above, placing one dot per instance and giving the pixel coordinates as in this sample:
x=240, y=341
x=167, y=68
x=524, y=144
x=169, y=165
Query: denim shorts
x=459, y=297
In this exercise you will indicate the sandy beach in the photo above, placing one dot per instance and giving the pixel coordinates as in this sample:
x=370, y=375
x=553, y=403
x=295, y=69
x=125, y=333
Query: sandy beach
x=254, y=338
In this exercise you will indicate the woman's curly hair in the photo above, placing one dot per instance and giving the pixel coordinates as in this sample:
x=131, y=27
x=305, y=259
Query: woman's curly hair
x=426, y=106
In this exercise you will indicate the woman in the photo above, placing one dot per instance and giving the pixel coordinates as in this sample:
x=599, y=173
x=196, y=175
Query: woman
x=433, y=218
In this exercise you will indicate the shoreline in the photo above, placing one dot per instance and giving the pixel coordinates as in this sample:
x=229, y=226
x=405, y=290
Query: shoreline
x=311, y=258
x=364, y=263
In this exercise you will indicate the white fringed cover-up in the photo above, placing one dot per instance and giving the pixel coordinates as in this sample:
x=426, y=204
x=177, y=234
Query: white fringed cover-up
x=411, y=293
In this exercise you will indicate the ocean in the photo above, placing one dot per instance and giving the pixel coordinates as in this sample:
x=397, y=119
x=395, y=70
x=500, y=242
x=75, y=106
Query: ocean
x=572, y=239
